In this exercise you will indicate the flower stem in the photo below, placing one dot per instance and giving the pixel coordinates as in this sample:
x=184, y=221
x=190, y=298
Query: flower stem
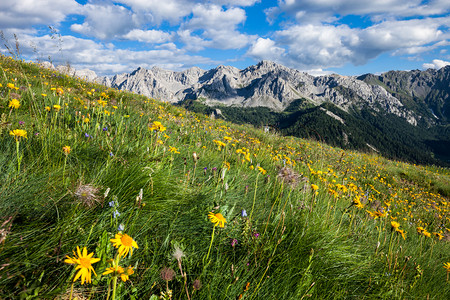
x=254, y=197
x=18, y=157
x=71, y=291
x=212, y=238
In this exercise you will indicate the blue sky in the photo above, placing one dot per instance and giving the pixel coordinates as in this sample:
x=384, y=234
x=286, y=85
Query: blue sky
x=348, y=37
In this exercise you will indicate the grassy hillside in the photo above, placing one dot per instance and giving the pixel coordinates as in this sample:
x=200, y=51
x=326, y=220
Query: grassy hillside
x=82, y=165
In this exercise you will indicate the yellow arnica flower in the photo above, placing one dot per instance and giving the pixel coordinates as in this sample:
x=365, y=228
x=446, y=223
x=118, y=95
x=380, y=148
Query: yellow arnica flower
x=125, y=243
x=217, y=219
x=126, y=274
x=10, y=85
x=157, y=126
x=14, y=103
x=395, y=225
x=47, y=108
x=86, y=120
x=57, y=107
x=402, y=232
x=84, y=263
x=314, y=187
x=447, y=266
x=262, y=171
x=18, y=133
x=67, y=149
x=117, y=270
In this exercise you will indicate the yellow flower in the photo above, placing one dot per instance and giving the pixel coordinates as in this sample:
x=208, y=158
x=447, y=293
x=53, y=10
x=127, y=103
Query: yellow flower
x=66, y=149
x=125, y=244
x=357, y=202
x=18, y=133
x=14, y=103
x=220, y=144
x=438, y=235
x=84, y=264
x=314, y=187
x=447, y=266
x=10, y=85
x=86, y=120
x=173, y=149
x=47, y=108
x=115, y=269
x=57, y=107
x=395, y=224
x=157, y=126
x=44, y=95
x=402, y=232
x=217, y=219
x=426, y=233
x=261, y=170
x=126, y=274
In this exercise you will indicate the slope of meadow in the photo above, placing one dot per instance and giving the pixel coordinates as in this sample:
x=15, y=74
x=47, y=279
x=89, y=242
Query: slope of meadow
x=81, y=164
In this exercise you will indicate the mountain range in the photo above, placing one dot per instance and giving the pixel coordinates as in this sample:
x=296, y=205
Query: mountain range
x=401, y=114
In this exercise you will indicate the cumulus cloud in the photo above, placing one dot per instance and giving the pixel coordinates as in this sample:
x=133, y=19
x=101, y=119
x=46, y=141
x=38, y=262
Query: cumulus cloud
x=218, y=27
x=149, y=36
x=324, y=45
x=105, y=21
x=26, y=13
x=157, y=11
x=105, y=59
x=436, y=64
x=266, y=49
x=332, y=10
x=235, y=2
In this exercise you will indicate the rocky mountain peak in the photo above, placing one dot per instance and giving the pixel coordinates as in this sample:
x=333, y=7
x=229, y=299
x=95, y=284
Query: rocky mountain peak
x=275, y=86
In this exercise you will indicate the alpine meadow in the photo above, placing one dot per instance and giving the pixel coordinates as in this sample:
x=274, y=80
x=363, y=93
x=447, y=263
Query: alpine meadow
x=106, y=194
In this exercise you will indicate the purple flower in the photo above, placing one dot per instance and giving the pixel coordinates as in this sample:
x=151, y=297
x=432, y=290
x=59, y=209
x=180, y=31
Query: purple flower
x=243, y=213
x=256, y=235
x=86, y=135
x=116, y=214
x=234, y=242
x=111, y=154
x=111, y=203
x=21, y=122
x=105, y=128
x=121, y=227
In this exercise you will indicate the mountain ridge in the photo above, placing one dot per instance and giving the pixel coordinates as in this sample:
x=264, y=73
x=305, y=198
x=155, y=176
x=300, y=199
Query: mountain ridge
x=275, y=86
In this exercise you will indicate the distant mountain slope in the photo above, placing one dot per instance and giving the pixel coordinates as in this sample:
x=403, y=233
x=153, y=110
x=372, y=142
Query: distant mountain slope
x=425, y=92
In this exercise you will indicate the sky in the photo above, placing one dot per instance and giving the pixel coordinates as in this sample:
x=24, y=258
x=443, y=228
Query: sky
x=348, y=37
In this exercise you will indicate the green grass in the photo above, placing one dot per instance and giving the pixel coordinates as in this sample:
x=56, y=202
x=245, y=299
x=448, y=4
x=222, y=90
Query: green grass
x=294, y=242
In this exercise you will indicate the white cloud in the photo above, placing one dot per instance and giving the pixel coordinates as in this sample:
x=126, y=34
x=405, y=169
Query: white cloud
x=102, y=58
x=26, y=13
x=218, y=27
x=266, y=49
x=324, y=46
x=105, y=21
x=235, y=2
x=330, y=10
x=436, y=64
x=157, y=11
x=149, y=36
x=214, y=16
